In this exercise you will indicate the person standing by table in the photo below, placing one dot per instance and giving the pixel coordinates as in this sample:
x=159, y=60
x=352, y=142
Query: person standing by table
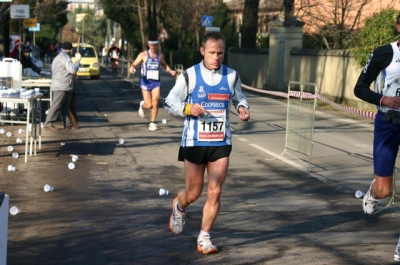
x=63, y=72
x=26, y=60
x=202, y=95
x=150, y=81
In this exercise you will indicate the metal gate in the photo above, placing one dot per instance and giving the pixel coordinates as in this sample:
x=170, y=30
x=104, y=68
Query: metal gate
x=300, y=117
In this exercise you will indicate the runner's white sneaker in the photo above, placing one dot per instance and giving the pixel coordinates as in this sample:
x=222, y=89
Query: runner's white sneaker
x=204, y=245
x=397, y=255
x=140, y=111
x=369, y=202
x=152, y=126
x=177, y=218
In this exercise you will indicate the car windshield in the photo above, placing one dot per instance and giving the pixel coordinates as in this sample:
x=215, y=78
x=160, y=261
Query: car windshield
x=84, y=51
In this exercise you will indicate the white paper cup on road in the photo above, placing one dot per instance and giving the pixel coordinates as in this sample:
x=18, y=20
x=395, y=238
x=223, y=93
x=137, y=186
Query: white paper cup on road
x=2, y=131
x=162, y=192
x=359, y=194
x=21, y=131
x=121, y=141
x=48, y=188
x=74, y=158
x=164, y=121
x=10, y=148
x=14, y=210
x=15, y=155
x=19, y=141
x=71, y=165
x=11, y=168
x=8, y=134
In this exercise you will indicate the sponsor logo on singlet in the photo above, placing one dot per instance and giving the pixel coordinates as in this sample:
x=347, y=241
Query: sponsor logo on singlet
x=218, y=96
x=201, y=93
x=212, y=104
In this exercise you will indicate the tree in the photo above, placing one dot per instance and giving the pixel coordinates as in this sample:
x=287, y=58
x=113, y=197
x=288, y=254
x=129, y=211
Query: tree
x=249, y=26
x=379, y=29
x=332, y=23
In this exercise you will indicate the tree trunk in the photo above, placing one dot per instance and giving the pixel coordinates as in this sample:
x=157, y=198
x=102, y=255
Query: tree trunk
x=249, y=26
x=141, y=25
x=289, y=9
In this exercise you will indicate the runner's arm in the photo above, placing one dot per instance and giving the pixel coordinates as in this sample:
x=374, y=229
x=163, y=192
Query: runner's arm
x=175, y=102
x=379, y=60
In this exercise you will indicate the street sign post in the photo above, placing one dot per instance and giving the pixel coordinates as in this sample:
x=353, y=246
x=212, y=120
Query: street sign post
x=213, y=29
x=207, y=21
x=19, y=11
x=30, y=22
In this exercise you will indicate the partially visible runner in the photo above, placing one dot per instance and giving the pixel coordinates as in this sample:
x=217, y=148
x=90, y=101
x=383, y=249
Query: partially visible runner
x=382, y=68
x=113, y=53
x=202, y=95
x=150, y=81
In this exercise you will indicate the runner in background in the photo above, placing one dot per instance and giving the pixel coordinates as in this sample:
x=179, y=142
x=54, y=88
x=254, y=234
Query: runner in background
x=113, y=53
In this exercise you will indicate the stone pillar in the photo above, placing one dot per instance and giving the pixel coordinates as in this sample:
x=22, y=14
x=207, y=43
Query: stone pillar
x=293, y=39
x=283, y=36
x=276, y=54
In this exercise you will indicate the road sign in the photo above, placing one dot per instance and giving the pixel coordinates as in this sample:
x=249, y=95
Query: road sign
x=163, y=35
x=36, y=28
x=30, y=22
x=19, y=11
x=214, y=29
x=207, y=21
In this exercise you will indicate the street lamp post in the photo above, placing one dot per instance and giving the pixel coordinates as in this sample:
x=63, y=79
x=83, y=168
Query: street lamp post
x=80, y=18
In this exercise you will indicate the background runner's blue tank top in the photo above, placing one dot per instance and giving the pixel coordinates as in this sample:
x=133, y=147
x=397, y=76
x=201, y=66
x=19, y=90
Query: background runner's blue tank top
x=151, y=65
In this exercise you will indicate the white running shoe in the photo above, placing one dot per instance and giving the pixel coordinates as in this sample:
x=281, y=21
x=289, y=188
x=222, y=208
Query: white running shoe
x=177, y=218
x=369, y=202
x=152, y=126
x=204, y=245
x=141, y=112
x=397, y=255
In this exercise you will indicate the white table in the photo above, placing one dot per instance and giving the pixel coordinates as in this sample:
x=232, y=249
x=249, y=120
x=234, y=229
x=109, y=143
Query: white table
x=41, y=83
x=34, y=105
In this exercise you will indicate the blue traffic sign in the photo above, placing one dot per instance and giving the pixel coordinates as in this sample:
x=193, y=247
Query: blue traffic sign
x=207, y=21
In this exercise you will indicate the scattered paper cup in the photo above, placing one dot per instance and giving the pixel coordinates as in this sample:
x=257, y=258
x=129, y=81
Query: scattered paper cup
x=163, y=192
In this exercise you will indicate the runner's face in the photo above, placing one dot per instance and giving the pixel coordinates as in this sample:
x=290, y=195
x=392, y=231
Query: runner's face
x=213, y=53
x=153, y=47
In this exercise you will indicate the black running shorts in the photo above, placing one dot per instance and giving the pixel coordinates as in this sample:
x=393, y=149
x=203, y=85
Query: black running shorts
x=203, y=154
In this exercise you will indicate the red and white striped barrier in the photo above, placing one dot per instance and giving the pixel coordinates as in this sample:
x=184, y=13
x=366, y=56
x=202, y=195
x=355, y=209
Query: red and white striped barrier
x=299, y=94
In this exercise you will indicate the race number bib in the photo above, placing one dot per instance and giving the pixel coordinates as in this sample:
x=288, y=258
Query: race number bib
x=114, y=54
x=211, y=126
x=152, y=74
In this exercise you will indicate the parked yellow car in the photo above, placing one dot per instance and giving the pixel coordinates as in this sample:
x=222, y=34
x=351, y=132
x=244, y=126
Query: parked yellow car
x=89, y=65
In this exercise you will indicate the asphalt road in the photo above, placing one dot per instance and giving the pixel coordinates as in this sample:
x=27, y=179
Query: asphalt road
x=274, y=210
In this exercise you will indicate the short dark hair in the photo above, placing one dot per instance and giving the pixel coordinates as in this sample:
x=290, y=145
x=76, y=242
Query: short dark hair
x=212, y=36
